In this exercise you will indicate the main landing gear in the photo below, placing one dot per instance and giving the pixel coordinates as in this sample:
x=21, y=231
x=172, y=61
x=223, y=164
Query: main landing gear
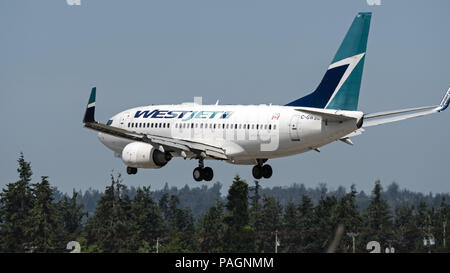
x=261, y=170
x=131, y=170
x=202, y=173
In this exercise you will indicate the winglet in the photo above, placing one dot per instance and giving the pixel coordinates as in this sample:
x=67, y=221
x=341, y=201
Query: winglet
x=445, y=101
x=90, y=109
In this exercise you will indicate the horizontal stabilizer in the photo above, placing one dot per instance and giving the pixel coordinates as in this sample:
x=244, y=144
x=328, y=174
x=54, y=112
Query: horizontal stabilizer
x=397, y=118
x=397, y=115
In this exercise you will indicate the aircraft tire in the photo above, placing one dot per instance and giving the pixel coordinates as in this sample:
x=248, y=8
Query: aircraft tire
x=208, y=174
x=267, y=171
x=257, y=172
x=198, y=174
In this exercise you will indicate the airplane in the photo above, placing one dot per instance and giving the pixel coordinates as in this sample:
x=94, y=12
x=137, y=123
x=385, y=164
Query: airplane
x=150, y=136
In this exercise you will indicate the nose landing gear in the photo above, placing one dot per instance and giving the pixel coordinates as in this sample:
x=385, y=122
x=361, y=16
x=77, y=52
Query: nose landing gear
x=131, y=170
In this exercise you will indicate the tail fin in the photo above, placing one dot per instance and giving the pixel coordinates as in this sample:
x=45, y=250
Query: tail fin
x=339, y=88
x=90, y=109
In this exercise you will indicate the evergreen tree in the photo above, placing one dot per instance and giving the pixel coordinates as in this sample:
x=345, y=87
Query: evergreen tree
x=290, y=235
x=407, y=236
x=46, y=230
x=211, y=229
x=323, y=226
x=346, y=213
x=442, y=224
x=24, y=169
x=16, y=202
x=174, y=215
x=378, y=219
x=305, y=220
x=113, y=227
x=149, y=221
x=72, y=214
x=239, y=235
x=304, y=234
x=271, y=218
x=423, y=221
x=255, y=213
x=164, y=205
x=181, y=236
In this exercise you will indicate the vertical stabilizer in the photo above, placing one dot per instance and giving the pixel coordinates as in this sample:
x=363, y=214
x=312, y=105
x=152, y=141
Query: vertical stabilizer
x=339, y=88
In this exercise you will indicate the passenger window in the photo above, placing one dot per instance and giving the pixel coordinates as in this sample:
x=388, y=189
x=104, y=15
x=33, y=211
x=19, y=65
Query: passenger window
x=270, y=126
x=274, y=127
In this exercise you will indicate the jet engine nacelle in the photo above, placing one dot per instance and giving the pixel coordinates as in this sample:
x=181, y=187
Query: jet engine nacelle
x=144, y=155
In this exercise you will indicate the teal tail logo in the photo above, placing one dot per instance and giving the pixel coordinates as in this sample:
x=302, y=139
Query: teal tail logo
x=339, y=88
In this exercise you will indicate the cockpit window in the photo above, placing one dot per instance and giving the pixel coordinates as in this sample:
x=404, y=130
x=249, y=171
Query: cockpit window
x=109, y=122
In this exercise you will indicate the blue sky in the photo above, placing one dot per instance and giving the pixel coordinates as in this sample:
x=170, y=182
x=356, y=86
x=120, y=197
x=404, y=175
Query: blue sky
x=247, y=52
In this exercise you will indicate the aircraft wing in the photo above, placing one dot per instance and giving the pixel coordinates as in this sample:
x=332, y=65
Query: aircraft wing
x=162, y=143
x=397, y=115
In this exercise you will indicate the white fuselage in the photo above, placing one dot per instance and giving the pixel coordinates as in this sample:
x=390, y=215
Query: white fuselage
x=245, y=132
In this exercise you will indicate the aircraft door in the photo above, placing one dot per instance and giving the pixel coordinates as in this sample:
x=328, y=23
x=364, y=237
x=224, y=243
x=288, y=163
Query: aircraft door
x=294, y=128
